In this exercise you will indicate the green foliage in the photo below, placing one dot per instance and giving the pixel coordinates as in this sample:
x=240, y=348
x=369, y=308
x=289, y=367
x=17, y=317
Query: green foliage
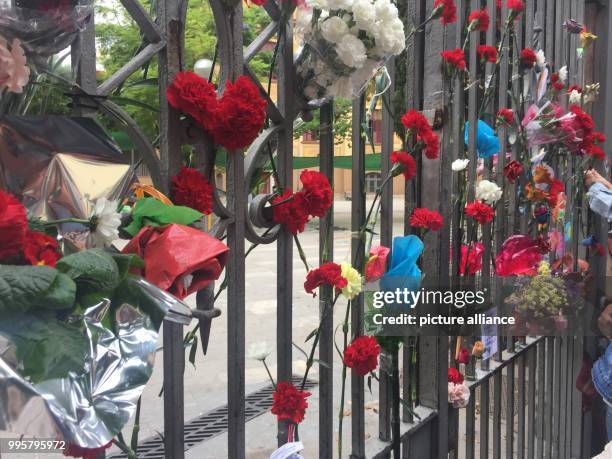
x=46, y=348
x=92, y=270
x=342, y=122
x=24, y=288
x=151, y=212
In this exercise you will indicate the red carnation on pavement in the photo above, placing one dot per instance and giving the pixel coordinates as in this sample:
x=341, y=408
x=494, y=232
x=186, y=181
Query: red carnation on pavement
x=240, y=115
x=73, y=450
x=517, y=6
x=195, y=96
x=317, y=193
x=406, y=162
x=291, y=210
x=480, y=19
x=40, y=249
x=446, y=11
x=191, y=189
x=480, y=212
x=513, y=170
x=362, y=355
x=505, y=115
x=289, y=402
x=528, y=58
x=13, y=226
x=425, y=218
x=455, y=376
x=464, y=356
x=326, y=274
x=487, y=53
x=454, y=58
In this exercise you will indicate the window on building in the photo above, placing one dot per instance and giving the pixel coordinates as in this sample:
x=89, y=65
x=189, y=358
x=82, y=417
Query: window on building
x=373, y=182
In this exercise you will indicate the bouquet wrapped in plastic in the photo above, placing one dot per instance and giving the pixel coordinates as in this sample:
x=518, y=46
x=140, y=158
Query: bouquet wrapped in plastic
x=344, y=44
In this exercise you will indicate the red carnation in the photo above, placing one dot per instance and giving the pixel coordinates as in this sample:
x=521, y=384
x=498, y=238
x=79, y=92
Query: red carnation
x=480, y=19
x=425, y=218
x=40, y=249
x=293, y=212
x=195, y=96
x=446, y=10
x=517, y=6
x=454, y=376
x=471, y=258
x=406, y=163
x=505, y=116
x=556, y=187
x=487, y=53
x=528, y=58
x=73, y=450
x=513, y=170
x=13, y=226
x=362, y=355
x=574, y=87
x=240, y=115
x=480, y=212
x=326, y=274
x=454, y=58
x=464, y=356
x=556, y=82
x=190, y=188
x=416, y=121
x=289, y=403
x=317, y=193
x=432, y=144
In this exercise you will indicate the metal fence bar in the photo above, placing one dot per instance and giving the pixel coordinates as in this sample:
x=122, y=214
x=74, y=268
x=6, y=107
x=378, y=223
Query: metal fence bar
x=497, y=401
x=326, y=253
x=470, y=427
x=520, y=438
x=531, y=396
x=357, y=254
x=548, y=397
x=540, y=402
x=174, y=412
x=484, y=419
x=510, y=410
x=556, y=396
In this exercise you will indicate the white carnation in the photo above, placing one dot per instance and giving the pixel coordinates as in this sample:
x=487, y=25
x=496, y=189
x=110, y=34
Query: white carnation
x=320, y=4
x=574, y=97
x=342, y=5
x=459, y=165
x=390, y=38
x=341, y=88
x=351, y=51
x=333, y=29
x=386, y=11
x=488, y=192
x=563, y=74
x=303, y=21
x=258, y=351
x=541, y=59
x=364, y=15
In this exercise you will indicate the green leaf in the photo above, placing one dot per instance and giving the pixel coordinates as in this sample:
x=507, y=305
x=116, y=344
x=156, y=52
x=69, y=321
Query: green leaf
x=311, y=335
x=31, y=287
x=92, y=270
x=45, y=347
x=193, y=350
x=127, y=261
x=151, y=212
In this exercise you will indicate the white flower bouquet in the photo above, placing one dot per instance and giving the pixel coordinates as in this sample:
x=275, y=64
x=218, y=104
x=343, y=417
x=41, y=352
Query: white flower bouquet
x=345, y=42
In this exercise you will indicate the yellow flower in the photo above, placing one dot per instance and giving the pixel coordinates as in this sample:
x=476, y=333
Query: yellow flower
x=544, y=269
x=353, y=287
x=586, y=38
x=478, y=349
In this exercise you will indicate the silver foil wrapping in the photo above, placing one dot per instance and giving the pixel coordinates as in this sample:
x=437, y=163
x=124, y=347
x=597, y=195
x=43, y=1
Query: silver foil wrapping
x=90, y=408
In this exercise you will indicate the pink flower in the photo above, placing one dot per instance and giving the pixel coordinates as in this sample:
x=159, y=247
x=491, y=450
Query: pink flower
x=14, y=73
x=458, y=395
x=377, y=264
x=520, y=255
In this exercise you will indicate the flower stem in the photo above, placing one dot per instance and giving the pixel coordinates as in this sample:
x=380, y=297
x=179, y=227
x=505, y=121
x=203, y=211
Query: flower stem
x=66, y=220
x=269, y=374
x=344, y=371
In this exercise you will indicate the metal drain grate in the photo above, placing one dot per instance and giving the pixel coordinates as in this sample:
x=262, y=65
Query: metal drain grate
x=211, y=424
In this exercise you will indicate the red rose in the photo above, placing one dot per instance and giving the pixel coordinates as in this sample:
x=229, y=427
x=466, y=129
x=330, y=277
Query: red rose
x=454, y=376
x=464, y=356
x=480, y=19
x=487, y=53
x=505, y=115
x=513, y=170
x=517, y=6
x=425, y=218
x=480, y=212
x=293, y=212
x=317, y=193
x=362, y=355
x=326, y=274
x=289, y=403
x=446, y=10
x=528, y=58
x=13, y=226
x=406, y=162
x=195, y=96
x=73, y=450
x=454, y=58
x=471, y=259
x=240, y=115
x=190, y=188
x=40, y=249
